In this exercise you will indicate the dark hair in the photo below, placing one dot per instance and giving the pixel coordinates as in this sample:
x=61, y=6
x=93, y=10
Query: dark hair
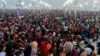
x=16, y=46
x=92, y=47
x=1, y=48
x=51, y=51
x=86, y=42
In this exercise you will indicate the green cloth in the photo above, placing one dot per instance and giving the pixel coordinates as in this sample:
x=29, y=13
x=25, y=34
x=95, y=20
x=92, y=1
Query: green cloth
x=9, y=42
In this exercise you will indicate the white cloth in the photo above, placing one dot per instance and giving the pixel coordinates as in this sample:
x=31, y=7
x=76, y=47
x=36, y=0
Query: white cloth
x=94, y=44
x=2, y=53
x=74, y=43
x=88, y=50
x=63, y=23
x=65, y=28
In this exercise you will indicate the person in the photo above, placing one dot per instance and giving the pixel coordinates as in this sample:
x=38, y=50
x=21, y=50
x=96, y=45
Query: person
x=68, y=46
x=27, y=50
x=42, y=47
x=34, y=48
x=1, y=34
x=51, y=52
x=37, y=25
x=83, y=53
x=88, y=51
x=9, y=46
x=94, y=52
x=17, y=51
x=48, y=46
x=75, y=51
x=2, y=53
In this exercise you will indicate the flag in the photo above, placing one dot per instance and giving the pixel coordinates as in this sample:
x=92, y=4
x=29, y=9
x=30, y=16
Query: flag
x=19, y=14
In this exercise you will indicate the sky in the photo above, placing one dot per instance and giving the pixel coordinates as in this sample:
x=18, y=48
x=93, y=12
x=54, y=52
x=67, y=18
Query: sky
x=53, y=3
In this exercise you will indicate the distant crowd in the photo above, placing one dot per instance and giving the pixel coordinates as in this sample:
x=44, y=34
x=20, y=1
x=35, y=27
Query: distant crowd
x=49, y=33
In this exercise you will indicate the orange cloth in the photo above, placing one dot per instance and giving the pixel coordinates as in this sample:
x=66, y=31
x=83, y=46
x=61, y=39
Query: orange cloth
x=48, y=46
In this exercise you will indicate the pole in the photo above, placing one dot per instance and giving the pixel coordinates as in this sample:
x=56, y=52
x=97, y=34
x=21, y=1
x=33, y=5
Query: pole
x=75, y=11
x=4, y=7
x=94, y=9
x=18, y=4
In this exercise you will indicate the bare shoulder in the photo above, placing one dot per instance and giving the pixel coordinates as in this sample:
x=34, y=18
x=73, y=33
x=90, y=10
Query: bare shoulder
x=83, y=54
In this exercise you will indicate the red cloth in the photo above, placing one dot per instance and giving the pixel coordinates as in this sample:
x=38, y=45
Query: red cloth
x=47, y=48
x=93, y=31
x=69, y=39
x=22, y=45
x=43, y=44
x=74, y=29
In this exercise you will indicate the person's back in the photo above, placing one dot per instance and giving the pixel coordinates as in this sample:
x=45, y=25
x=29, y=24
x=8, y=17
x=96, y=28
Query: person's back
x=94, y=53
x=83, y=54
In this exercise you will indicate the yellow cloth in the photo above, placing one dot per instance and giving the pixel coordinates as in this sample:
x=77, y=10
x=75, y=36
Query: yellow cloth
x=81, y=43
x=63, y=54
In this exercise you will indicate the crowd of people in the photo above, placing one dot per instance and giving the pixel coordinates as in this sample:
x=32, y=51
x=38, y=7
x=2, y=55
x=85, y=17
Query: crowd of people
x=50, y=33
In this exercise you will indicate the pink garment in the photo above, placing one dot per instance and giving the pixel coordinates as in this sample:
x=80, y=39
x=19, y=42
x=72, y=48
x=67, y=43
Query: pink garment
x=34, y=52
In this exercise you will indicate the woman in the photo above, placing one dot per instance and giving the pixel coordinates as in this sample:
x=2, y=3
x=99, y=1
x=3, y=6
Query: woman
x=34, y=47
